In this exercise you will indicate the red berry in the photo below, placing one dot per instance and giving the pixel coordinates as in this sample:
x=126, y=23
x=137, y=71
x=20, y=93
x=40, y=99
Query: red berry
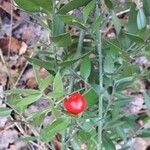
x=75, y=104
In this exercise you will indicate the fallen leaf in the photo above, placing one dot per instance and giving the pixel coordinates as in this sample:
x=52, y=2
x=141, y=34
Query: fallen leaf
x=23, y=48
x=11, y=45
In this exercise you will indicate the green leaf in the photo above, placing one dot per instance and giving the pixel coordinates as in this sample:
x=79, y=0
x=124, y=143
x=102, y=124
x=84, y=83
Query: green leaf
x=147, y=100
x=45, y=4
x=108, y=63
x=107, y=142
x=109, y=4
x=115, y=45
x=58, y=88
x=42, y=21
x=37, y=117
x=124, y=40
x=22, y=104
x=42, y=63
x=43, y=83
x=146, y=7
x=132, y=23
x=85, y=68
x=121, y=133
x=35, y=5
x=115, y=123
x=62, y=40
x=72, y=5
x=91, y=97
x=116, y=22
x=48, y=132
x=122, y=101
x=72, y=61
x=145, y=133
x=5, y=111
x=85, y=136
x=121, y=84
x=23, y=91
x=57, y=26
x=130, y=70
x=72, y=20
x=141, y=19
x=134, y=37
x=28, y=5
x=97, y=23
x=88, y=9
x=27, y=138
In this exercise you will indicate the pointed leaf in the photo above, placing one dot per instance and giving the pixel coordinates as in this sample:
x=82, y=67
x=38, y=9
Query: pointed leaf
x=72, y=20
x=37, y=117
x=97, y=23
x=108, y=63
x=28, y=5
x=116, y=22
x=121, y=84
x=72, y=61
x=109, y=4
x=35, y=5
x=62, y=40
x=42, y=63
x=132, y=23
x=23, y=91
x=91, y=97
x=107, y=142
x=58, y=88
x=134, y=37
x=85, y=68
x=5, y=111
x=48, y=132
x=147, y=100
x=27, y=138
x=146, y=7
x=24, y=102
x=72, y=5
x=88, y=9
x=141, y=19
x=58, y=26
x=43, y=83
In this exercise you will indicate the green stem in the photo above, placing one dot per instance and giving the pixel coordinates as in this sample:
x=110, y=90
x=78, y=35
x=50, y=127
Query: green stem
x=100, y=106
x=79, y=48
x=100, y=110
x=52, y=34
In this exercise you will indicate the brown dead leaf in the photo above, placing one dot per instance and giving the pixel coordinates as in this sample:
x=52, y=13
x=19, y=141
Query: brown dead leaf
x=11, y=45
x=31, y=81
x=43, y=73
x=8, y=7
x=23, y=48
x=7, y=137
x=3, y=78
x=57, y=144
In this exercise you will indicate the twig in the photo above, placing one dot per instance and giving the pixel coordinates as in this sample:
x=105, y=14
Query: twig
x=10, y=35
x=24, y=134
x=22, y=71
x=7, y=67
x=121, y=13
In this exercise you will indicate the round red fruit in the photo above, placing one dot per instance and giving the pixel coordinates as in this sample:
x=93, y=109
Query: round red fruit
x=75, y=104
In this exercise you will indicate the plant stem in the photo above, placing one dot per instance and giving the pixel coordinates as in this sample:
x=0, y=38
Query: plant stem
x=100, y=110
x=100, y=106
x=79, y=48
